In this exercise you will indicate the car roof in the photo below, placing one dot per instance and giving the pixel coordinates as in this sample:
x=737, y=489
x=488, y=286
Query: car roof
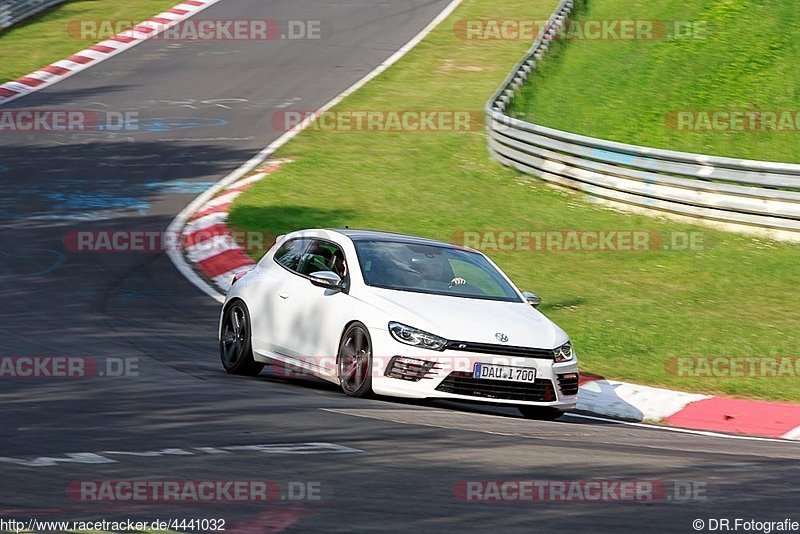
x=376, y=235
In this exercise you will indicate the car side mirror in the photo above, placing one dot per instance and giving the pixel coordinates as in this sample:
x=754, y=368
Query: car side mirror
x=326, y=279
x=532, y=299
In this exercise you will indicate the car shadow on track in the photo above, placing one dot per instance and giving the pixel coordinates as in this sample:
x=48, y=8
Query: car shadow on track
x=277, y=374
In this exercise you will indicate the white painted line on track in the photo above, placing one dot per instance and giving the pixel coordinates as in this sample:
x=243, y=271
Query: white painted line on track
x=707, y=433
x=793, y=434
x=103, y=457
x=569, y=415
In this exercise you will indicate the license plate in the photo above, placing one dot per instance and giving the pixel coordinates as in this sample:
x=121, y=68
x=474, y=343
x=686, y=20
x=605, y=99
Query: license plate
x=504, y=372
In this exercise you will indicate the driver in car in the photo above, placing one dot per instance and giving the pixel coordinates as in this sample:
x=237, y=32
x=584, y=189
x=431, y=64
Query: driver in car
x=435, y=274
x=339, y=265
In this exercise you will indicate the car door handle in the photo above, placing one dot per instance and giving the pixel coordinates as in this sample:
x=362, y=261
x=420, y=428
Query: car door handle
x=283, y=295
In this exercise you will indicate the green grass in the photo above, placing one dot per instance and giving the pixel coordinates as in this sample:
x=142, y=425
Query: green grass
x=49, y=37
x=623, y=90
x=628, y=313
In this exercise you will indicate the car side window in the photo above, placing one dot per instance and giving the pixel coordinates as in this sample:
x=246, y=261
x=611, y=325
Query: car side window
x=291, y=252
x=322, y=256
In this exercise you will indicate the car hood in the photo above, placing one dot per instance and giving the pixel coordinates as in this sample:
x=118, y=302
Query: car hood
x=466, y=319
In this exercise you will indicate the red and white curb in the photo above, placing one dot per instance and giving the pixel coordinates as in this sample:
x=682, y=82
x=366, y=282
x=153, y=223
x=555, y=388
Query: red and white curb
x=208, y=245
x=60, y=70
x=632, y=402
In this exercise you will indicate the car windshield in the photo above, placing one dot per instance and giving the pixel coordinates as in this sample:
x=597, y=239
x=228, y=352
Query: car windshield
x=438, y=270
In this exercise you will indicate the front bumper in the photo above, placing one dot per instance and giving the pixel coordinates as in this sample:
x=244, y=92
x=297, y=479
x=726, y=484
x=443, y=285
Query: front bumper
x=451, y=378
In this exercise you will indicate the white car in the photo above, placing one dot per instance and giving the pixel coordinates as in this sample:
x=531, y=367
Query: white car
x=397, y=315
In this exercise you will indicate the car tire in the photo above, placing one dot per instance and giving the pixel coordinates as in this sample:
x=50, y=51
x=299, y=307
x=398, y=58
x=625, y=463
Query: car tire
x=235, y=344
x=541, y=413
x=354, y=361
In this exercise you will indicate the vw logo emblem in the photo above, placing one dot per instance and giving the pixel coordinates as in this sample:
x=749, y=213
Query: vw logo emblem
x=501, y=337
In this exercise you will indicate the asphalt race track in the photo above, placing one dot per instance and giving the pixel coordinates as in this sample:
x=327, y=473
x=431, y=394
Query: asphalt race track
x=384, y=465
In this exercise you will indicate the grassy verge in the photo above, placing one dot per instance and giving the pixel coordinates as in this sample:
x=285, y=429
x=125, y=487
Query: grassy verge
x=51, y=35
x=629, y=313
x=743, y=59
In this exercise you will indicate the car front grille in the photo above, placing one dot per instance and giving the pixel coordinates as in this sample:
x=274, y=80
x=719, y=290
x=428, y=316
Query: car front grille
x=500, y=350
x=463, y=383
x=568, y=383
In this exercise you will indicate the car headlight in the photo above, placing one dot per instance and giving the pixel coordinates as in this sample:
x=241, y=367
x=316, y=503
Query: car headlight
x=564, y=353
x=418, y=338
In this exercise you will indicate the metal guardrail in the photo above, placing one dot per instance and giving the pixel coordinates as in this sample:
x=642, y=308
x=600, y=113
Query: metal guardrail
x=13, y=11
x=752, y=195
